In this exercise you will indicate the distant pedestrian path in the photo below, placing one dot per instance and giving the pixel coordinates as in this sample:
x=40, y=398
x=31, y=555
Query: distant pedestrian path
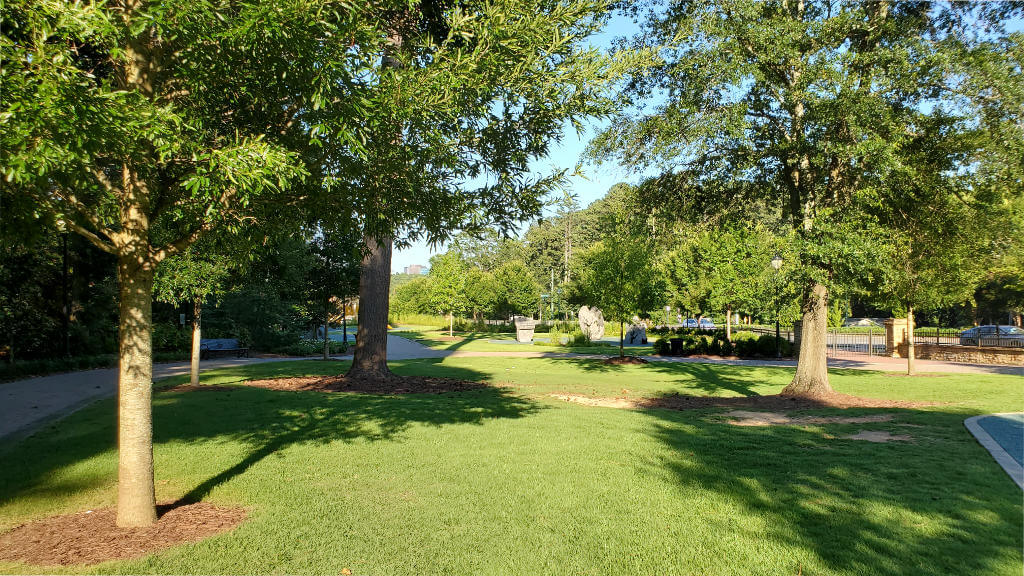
x=26, y=404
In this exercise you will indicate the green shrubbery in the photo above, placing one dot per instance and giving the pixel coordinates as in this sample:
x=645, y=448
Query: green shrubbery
x=714, y=343
x=558, y=337
x=170, y=338
x=312, y=348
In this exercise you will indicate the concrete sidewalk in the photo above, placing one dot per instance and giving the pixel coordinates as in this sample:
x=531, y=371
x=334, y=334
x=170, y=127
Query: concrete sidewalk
x=26, y=404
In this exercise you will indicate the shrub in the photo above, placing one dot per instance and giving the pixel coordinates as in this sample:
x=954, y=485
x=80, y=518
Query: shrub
x=745, y=344
x=766, y=346
x=171, y=338
x=311, y=348
x=662, y=347
x=578, y=338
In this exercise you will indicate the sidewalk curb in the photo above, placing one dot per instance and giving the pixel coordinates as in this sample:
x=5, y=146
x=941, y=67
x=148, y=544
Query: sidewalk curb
x=1000, y=455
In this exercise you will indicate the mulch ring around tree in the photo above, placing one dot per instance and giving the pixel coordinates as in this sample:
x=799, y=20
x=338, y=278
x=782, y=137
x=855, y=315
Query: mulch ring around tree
x=621, y=360
x=771, y=402
x=369, y=385
x=92, y=537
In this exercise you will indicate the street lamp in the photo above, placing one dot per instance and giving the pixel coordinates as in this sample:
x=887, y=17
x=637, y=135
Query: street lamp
x=776, y=264
x=667, y=308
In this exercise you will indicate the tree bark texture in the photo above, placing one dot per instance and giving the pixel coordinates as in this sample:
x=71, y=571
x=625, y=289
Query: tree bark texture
x=370, y=357
x=811, y=378
x=197, y=336
x=136, y=500
x=728, y=324
x=622, y=338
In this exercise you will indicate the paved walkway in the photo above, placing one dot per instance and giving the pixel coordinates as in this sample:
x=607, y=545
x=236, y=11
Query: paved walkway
x=26, y=404
x=1003, y=436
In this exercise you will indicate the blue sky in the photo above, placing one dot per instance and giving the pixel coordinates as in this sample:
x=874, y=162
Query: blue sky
x=594, y=181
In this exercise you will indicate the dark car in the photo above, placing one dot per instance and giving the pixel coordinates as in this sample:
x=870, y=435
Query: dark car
x=1011, y=336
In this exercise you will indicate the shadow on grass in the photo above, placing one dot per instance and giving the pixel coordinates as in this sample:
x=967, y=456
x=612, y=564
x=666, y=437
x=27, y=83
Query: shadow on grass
x=267, y=421
x=935, y=505
x=691, y=378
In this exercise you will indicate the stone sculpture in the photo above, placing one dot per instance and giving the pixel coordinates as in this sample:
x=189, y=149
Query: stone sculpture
x=524, y=328
x=637, y=334
x=591, y=322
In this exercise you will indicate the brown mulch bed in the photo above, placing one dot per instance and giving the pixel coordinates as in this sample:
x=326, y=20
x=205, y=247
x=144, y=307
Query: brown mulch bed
x=777, y=402
x=369, y=385
x=772, y=402
x=92, y=537
x=620, y=360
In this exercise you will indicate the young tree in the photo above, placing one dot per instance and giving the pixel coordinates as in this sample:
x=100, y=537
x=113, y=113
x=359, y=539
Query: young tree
x=481, y=293
x=143, y=125
x=448, y=286
x=622, y=279
x=517, y=291
x=335, y=273
x=726, y=269
x=809, y=105
x=467, y=95
x=192, y=277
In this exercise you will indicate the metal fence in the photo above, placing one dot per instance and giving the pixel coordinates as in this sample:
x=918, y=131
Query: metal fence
x=989, y=337
x=840, y=342
x=870, y=342
x=937, y=336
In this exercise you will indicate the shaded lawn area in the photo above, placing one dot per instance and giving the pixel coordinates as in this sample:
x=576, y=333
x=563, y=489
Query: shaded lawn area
x=507, y=479
x=482, y=342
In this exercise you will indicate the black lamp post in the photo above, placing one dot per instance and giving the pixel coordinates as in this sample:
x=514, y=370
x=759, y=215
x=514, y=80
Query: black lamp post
x=776, y=264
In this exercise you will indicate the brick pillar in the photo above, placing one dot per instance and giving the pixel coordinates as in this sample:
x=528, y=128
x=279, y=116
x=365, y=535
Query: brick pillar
x=896, y=337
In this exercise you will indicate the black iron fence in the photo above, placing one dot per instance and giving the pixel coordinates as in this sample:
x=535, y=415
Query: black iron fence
x=840, y=342
x=979, y=336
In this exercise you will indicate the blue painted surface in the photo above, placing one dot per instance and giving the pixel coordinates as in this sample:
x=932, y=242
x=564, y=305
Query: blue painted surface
x=1008, y=431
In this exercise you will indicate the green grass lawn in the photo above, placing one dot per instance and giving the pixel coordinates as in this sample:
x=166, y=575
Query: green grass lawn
x=509, y=480
x=483, y=342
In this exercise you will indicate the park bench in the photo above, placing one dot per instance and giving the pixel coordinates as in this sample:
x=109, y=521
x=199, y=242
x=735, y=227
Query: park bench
x=213, y=347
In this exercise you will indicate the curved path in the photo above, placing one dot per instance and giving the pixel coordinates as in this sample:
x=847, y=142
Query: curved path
x=1003, y=436
x=26, y=404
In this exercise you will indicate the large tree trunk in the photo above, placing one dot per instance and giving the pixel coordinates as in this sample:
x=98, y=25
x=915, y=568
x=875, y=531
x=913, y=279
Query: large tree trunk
x=910, y=341
x=197, y=311
x=136, y=500
x=811, y=377
x=370, y=357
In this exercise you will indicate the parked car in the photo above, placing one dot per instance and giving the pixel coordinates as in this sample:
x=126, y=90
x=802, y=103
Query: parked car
x=1011, y=336
x=706, y=324
x=690, y=323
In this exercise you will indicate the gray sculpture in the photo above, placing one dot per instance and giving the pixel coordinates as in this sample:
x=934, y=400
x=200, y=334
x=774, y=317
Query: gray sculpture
x=637, y=334
x=591, y=322
x=524, y=328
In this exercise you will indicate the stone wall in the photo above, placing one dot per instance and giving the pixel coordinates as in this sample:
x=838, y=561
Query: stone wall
x=970, y=354
x=896, y=333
